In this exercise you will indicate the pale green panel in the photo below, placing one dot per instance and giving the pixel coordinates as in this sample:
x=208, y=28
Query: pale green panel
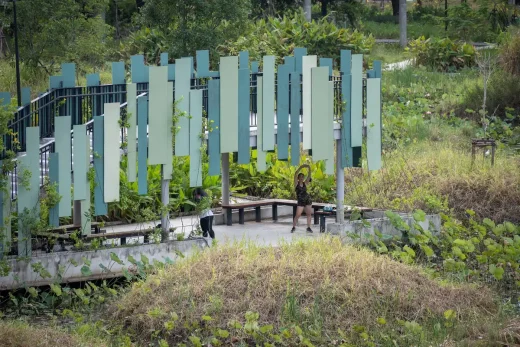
x=182, y=98
x=157, y=124
x=168, y=167
x=131, y=114
x=374, y=123
x=268, y=103
x=329, y=131
x=229, y=104
x=356, y=120
x=320, y=110
x=62, y=127
x=86, y=218
x=309, y=62
x=79, y=164
x=195, y=138
x=111, y=154
x=261, y=165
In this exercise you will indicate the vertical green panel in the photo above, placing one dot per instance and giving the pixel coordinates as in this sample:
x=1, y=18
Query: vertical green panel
x=320, y=106
x=68, y=73
x=261, y=165
x=346, y=60
x=254, y=67
x=5, y=219
x=63, y=147
x=164, y=59
x=118, y=72
x=28, y=191
x=214, y=127
x=112, y=155
x=93, y=80
x=295, y=118
x=182, y=99
x=328, y=138
x=243, y=116
x=55, y=82
x=299, y=53
x=168, y=150
x=376, y=65
x=100, y=207
x=309, y=62
x=195, y=138
x=228, y=104
x=131, y=118
x=86, y=219
x=282, y=112
x=202, y=63
x=80, y=152
x=5, y=98
x=142, y=153
x=290, y=63
x=268, y=103
x=374, y=123
x=243, y=60
x=371, y=74
x=26, y=96
x=157, y=122
x=327, y=62
x=138, y=69
x=356, y=118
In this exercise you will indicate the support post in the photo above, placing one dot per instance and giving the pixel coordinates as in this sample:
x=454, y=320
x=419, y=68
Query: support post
x=165, y=199
x=403, y=41
x=340, y=185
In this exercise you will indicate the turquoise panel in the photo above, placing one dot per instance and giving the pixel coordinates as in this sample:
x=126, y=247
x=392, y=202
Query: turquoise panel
x=243, y=116
x=182, y=100
x=195, y=139
x=376, y=65
x=261, y=164
x=5, y=98
x=371, y=74
x=229, y=104
x=93, y=80
x=243, y=60
x=100, y=207
x=192, y=70
x=298, y=55
x=345, y=64
x=374, y=123
x=202, y=63
x=86, y=218
x=309, y=62
x=282, y=112
x=138, y=69
x=320, y=104
x=68, y=73
x=54, y=179
x=290, y=62
x=327, y=62
x=214, y=127
x=112, y=155
x=157, y=122
x=268, y=103
x=5, y=219
x=168, y=151
x=79, y=163
x=63, y=147
x=329, y=131
x=295, y=118
x=171, y=72
x=142, y=152
x=254, y=67
x=26, y=96
x=131, y=118
x=118, y=73
x=55, y=82
x=356, y=123
x=164, y=59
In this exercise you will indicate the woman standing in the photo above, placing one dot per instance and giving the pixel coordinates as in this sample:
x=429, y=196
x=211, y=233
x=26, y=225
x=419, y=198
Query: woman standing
x=303, y=198
x=206, y=215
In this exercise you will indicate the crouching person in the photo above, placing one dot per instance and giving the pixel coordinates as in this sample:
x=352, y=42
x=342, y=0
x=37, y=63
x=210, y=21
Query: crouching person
x=205, y=213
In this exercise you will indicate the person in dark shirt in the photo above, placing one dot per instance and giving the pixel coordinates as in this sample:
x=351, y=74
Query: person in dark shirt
x=303, y=198
x=206, y=215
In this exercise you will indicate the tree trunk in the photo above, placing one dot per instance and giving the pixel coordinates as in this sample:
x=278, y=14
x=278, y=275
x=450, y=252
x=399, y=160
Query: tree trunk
x=403, y=41
x=307, y=8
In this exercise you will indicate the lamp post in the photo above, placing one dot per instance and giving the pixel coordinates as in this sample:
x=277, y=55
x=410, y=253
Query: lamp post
x=17, y=54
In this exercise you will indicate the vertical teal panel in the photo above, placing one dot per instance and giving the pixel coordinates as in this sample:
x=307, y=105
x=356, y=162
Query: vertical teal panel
x=171, y=72
x=268, y=103
x=55, y=82
x=243, y=116
x=261, y=165
x=374, y=123
x=5, y=219
x=86, y=219
x=345, y=63
x=254, y=67
x=112, y=155
x=62, y=127
x=295, y=118
x=214, y=127
x=320, y=105
x=68, y=73
x=309, y=62
x=80, y=152
x=142, y=153
x=328, y=138
x=28, y=192
x=202, y=63
x=356, y=122
x=376, y=65
x=371, y=74
x=299, y=53
x=229, y=104
x=195, y=139
x=290, y=63
x=168, y=151
x=182, y=99
x=164, y=59
x=282, y=112
x=93, y=80
x=26, y=96
x=118, y=72
x=54, y=179
x=131, y=118
x=327, y=62
x=100, y=207
x=243, y=60
x=138, y=69
x=192, y=70
x=5, y=98
x=157, y=122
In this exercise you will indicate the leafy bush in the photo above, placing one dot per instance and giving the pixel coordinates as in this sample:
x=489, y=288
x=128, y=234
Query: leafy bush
x=279, y=37
x=442, y=54
x=509, y=52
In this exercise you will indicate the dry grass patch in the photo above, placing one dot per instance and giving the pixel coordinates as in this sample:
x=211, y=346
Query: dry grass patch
x=319, y=283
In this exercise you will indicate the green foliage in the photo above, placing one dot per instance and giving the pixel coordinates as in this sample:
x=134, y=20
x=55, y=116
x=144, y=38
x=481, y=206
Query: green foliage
x=509, y=52
x=442, y=54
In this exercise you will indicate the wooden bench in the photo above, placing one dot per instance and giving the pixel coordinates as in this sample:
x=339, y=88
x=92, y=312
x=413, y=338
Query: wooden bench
x=94, y=226
x=123, y=235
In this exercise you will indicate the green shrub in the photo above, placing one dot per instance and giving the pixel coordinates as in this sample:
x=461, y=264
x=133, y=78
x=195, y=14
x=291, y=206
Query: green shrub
x=509, y=52
x=442, y=54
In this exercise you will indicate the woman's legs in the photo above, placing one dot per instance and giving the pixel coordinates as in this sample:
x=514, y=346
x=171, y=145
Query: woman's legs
x=308, y=212
x=299, y=211
x=210, y=229
x=205, y=226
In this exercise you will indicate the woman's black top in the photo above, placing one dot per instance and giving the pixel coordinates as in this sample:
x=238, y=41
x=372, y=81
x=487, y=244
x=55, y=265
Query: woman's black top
x=302, y=196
